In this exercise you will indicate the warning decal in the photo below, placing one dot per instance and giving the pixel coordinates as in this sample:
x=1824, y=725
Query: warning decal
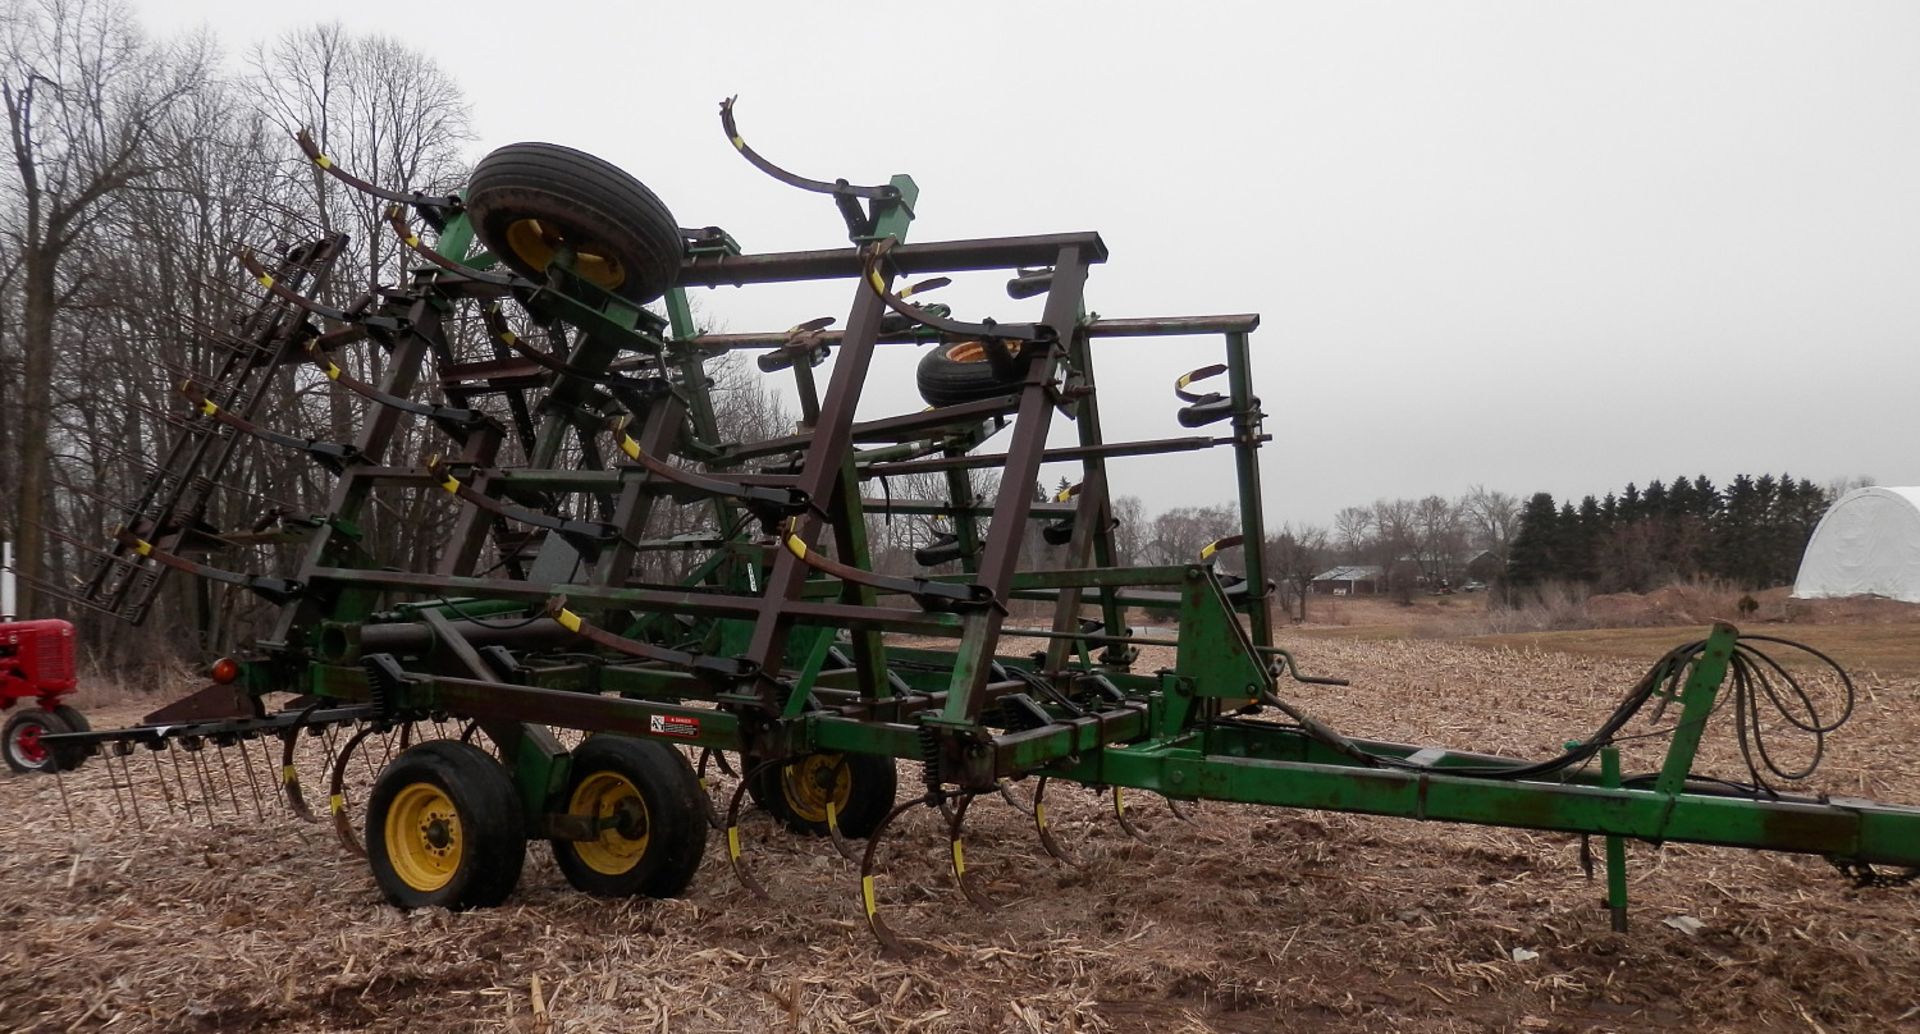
x=674, y=725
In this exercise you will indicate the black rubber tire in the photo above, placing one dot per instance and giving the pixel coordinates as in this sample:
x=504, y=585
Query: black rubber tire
x=676, y=820
x=592, y=204
x=492, y=826
x=28, y=717
x=945, y=380
x=71, y=758
x=871, y=789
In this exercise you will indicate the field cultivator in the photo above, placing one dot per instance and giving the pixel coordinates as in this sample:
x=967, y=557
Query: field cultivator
x=564, y=670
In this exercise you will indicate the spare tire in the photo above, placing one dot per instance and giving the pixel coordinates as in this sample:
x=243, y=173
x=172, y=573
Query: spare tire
x=528, y=201
x=958, y=371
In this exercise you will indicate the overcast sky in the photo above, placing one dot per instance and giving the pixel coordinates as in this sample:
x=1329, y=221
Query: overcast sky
x=1539, y=246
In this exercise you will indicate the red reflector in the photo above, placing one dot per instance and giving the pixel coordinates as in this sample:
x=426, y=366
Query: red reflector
x=225, y=670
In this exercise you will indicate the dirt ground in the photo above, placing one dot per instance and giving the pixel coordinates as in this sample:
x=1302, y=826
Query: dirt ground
x=1248, y=919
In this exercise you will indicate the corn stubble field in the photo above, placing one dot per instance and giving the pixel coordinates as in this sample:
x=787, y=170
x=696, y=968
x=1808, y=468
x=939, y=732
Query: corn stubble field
x=1249, y=919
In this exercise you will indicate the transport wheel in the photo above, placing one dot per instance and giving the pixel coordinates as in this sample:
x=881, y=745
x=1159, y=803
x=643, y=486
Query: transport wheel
x=861, y=787
x=71, y=758
x=647, y=801
x=530, y=201
x=25, y=752
x=445, y=828
x=959, y=372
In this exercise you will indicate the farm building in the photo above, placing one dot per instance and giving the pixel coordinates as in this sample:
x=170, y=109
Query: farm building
x=1349, y=580
x=1868, y=544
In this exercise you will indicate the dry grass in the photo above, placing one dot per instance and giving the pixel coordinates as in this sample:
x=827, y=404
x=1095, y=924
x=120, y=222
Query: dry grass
x=1249, y=920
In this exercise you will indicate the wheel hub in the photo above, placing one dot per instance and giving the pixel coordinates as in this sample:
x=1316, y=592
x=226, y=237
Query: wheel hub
x=27, y=746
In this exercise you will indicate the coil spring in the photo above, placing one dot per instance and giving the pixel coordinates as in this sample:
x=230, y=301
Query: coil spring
x=930, y=757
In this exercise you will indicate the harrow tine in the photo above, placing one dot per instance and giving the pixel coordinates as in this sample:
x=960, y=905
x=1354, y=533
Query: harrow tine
x=290, y=776
x=968, y=885
x=233, y=794
x=253, y=783
x=60, y=781
x=840, y=842
x=166, y=792
x=1120, y=814
x=734, y=857
x=706, y=790
x=337, y=794
x=1178, y=812
x=883, y=933
x=365, y=761
x=119, y=806
x=126, y=768
x=1046, y=832
x=209, y=795
x=186, y=799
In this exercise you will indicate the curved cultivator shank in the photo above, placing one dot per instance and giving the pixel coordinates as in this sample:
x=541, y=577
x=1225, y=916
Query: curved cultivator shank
x=603, y=573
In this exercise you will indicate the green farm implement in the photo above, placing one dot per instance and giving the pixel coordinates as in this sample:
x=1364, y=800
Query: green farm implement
x=605, y=560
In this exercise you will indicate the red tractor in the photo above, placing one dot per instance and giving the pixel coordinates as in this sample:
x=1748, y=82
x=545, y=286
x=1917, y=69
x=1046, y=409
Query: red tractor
x=36, y=666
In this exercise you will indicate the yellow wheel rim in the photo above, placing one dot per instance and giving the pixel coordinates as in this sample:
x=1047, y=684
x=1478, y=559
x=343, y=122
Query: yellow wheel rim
x=808, y=785
x=423, y=837
x=975, y=352
x=536, y=243
x=612, y=799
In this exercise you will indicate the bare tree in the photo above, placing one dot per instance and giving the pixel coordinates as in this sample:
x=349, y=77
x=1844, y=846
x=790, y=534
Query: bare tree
x=1353, y=531
x=1178, y=535
x=1439, y=539
x=1396, y=534
x=1493, y=518
x=87, y=96
x=1296, y=556
x=1129, y=529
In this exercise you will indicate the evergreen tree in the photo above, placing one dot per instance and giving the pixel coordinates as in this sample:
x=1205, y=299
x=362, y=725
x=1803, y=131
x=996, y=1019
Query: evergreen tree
x=1593, y=530
x=1530, y=559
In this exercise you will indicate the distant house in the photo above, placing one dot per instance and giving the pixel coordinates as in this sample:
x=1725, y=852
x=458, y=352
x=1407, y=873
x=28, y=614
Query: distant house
x=1485, y=566
x=1349, y=580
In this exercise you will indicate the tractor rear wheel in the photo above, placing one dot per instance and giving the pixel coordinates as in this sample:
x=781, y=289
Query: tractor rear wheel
x=529, y=202
x=445, y=828
x=71, y=758
x=861, y=788
x=958, y=371
x=647, y=802
x=20, y=740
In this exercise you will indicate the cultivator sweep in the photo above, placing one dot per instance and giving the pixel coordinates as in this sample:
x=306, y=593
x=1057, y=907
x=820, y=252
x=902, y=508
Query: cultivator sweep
x=546, y=675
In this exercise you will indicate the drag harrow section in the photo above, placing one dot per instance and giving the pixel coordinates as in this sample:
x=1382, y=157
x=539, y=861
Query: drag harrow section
x=618, y=602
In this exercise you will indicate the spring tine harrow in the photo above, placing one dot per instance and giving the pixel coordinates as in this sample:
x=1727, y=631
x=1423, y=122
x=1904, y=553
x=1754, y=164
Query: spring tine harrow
x=601, y=579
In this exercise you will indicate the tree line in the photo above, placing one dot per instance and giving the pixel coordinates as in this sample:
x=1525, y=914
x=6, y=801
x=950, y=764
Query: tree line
x=1751, y=533
x=136, y=170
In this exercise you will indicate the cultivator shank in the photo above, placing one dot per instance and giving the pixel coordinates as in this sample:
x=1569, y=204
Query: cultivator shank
x=610, y=561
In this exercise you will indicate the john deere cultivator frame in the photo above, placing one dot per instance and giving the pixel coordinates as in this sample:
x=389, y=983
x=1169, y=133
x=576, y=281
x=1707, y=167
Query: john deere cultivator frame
x=586, y=415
